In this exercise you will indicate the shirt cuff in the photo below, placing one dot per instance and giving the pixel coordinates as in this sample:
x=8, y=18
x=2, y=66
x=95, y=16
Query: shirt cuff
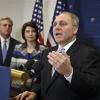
x=69, y=78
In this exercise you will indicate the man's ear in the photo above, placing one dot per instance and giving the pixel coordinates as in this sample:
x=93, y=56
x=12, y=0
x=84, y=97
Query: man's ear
x=75, y=30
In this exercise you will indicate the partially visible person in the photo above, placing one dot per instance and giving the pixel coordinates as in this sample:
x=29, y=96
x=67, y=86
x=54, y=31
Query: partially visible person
x=71, y=74
x=6, y=25
x=28, y=50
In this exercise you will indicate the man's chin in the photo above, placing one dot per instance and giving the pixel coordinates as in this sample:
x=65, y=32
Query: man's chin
x=59, y=41
x=7, y=35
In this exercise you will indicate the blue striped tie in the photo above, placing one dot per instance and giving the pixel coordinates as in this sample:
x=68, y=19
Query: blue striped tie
x=4, y=51
x=61, y=50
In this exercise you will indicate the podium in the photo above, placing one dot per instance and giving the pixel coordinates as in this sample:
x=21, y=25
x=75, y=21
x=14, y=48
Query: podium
x=4, y=83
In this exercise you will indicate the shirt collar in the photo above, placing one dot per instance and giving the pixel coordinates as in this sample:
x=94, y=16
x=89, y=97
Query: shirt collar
x=66, y=47
x=2, y=39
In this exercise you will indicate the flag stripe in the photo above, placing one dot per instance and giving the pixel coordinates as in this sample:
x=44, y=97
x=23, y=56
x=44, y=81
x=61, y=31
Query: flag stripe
x=38, y=18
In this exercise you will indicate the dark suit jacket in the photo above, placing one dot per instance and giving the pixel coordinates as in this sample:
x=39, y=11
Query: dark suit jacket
x=85, y=80
x=12, y=44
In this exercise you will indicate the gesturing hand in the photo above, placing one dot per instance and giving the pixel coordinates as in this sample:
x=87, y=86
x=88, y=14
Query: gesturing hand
x=60, y=62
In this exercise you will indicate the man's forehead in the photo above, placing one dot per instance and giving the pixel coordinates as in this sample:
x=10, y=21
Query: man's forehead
x=5, y=22
x=63, y=17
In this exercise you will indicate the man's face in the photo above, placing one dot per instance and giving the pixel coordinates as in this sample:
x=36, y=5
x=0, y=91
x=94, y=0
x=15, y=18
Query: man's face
x=5, y=28
x=63, y=29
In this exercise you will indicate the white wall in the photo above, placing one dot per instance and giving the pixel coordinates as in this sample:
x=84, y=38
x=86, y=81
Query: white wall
x=21, y=11
x=49, y=6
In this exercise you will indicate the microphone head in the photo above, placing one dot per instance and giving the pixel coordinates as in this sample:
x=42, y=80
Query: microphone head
x=29, y=64
x=20, y=75
x=22, y=67
x=28, y=84
x=19, y=79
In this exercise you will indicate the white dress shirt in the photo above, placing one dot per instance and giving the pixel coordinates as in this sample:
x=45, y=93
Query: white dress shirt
x=3, y=41
x=66, y=49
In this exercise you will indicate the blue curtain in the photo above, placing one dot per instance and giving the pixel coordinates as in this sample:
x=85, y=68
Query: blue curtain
x=89, y=15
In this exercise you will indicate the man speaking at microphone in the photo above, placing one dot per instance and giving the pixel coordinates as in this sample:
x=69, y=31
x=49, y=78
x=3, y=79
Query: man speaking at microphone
x=71, y=74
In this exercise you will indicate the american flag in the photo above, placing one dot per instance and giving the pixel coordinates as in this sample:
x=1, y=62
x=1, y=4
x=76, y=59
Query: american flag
x=38, y=18
x=60, y=7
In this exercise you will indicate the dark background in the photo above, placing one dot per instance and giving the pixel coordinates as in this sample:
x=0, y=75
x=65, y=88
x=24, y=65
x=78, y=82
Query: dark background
x=89, y=15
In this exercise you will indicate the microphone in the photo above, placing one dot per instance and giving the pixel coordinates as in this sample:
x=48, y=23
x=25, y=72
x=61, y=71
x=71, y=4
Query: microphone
x=24, y=79
x=19, y=79
x=31, y=69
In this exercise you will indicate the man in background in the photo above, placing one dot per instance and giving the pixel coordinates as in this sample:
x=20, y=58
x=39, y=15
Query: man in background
x=7, y=41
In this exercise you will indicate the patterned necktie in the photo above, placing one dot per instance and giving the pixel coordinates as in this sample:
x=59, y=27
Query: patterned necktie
x=61, y=50
x=4, y=51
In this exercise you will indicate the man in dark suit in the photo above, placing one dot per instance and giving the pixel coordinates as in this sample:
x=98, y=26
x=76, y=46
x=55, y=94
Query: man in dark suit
x=71, y=74
x=5, y=35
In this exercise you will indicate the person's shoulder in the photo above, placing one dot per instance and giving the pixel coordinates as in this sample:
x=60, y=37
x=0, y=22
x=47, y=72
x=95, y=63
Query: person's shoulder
x=14, y=40
x=42, y=47
x=49, y=49
x=87, y=48
x=19, y=46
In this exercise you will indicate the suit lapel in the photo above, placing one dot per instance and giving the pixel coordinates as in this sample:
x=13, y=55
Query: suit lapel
x=49, y=74
x=1, y=60
x=50, y=78
x=10, y=51
x=73, y=48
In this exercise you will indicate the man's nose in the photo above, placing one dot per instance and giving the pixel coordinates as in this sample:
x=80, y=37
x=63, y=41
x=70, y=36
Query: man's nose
x=8, y=26
x=57, y=27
